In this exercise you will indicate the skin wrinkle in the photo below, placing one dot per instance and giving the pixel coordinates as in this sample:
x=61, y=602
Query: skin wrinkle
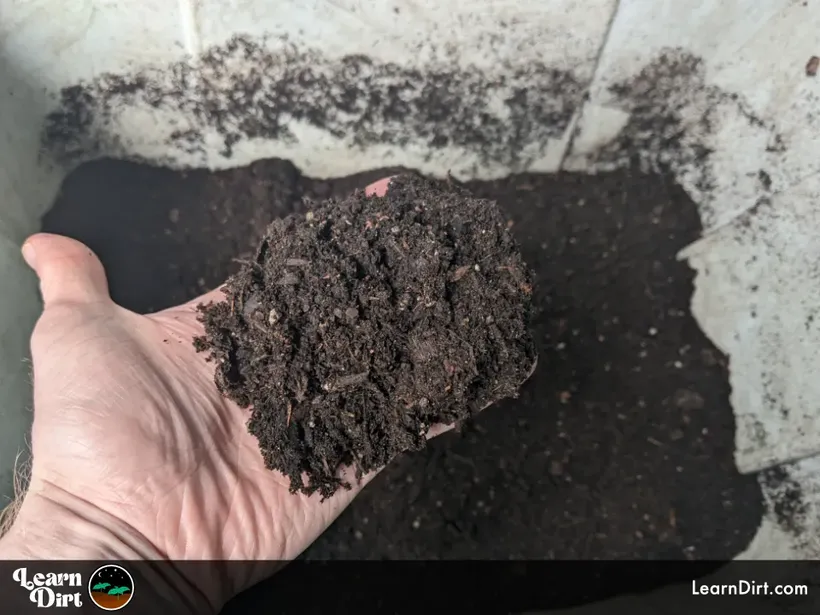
x=233, y=496
x=228, y=488
x=197, y=507
x=95, y=519
x=96, y=536
x=167, y=508
x=74, y=392
x=191, y=524
x=249, y=515
x=77, y=448
x=168, y=423
x=182, y=462
x=166, y=430
x=57, y=333
x=230, y=514
x=169, y=395
x=69, y=402
x=225, y=475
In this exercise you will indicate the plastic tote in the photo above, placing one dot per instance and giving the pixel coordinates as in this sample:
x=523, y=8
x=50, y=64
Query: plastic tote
x=722, y=94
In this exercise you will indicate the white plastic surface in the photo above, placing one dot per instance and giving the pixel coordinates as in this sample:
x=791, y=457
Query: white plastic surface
x=739, y=128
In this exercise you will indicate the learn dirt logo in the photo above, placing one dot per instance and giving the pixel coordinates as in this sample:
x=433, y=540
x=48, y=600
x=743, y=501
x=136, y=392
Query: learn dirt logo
x=111, y=587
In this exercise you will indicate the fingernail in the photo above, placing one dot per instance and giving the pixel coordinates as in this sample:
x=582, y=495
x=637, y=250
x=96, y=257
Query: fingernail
x=29, y=255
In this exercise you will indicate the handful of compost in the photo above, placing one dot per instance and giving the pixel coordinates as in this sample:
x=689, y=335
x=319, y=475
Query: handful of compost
x=359, y=326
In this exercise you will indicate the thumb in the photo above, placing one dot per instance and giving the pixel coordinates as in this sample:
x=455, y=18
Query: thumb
x=68, y=270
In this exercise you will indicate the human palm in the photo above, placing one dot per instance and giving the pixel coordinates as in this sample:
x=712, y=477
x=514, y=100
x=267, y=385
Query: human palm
x=145, y=435
x=129, y=426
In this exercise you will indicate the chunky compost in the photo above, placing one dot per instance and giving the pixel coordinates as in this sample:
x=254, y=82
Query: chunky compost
x=360, y=324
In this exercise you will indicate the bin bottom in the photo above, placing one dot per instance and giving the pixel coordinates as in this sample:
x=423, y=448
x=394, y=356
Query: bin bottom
x=621, y=444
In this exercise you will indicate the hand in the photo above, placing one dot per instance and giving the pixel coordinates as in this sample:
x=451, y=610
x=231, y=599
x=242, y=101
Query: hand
x=135, y=453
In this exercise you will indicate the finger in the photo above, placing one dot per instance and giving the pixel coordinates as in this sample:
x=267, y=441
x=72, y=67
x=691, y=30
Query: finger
x=438, y=429
x=68, y=270
x=379, y=188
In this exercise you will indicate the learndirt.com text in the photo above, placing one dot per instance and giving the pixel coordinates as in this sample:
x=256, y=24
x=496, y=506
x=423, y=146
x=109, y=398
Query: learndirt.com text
x=748, y=588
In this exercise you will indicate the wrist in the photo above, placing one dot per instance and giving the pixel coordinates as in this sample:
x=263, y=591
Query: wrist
x=59, y=527
x=45, y=529
x=53, y=524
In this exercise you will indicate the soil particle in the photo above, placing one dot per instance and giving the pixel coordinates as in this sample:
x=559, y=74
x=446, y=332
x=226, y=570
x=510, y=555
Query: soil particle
x=785, y=500
x=660, y=98
x=568, y=469
x=389, y=315
x=811, y=66
x=250, y=88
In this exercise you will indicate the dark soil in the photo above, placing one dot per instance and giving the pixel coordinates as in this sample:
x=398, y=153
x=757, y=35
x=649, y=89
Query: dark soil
x=364, y=322
x=621, y=443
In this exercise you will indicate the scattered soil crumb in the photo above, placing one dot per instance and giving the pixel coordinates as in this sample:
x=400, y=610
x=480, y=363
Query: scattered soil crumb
x=812, y=65
x=352, y=332
x=785, y=499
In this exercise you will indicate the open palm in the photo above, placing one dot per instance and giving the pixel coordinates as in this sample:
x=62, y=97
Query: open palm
x=128, y=422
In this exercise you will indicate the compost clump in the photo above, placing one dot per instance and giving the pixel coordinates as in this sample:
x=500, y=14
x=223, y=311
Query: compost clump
x=361, y=324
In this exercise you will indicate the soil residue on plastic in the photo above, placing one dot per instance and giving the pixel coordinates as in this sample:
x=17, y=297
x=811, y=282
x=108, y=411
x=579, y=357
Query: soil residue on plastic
x=358, y=326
